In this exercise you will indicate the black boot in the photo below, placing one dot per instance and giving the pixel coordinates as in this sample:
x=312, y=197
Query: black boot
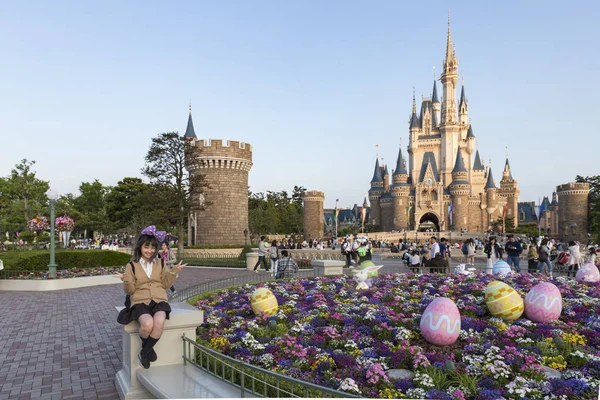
x=151, y=354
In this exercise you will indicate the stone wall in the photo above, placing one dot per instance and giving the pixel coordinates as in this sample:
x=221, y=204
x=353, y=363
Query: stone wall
x=313, y=214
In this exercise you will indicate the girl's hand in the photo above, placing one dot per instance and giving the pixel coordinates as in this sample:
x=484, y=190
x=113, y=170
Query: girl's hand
x=119, y=275
x=177, y=268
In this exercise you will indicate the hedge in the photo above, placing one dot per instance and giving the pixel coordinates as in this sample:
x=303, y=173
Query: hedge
x=38, y=260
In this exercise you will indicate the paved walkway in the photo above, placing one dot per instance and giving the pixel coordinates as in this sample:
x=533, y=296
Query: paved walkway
x=67, y=344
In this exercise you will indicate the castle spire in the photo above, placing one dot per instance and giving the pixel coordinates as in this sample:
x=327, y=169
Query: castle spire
x=400, y=167
x=189, y=132
x=414, y=120
x=507, y=173
x=459, y=166
x=449, y=48
x=434, y=96
x=377, y=173
x=477, y=165
x=490, y=180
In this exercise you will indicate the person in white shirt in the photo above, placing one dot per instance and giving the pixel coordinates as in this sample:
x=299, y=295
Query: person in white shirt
x=415, y=261
x=435, y=247
x=574, y=258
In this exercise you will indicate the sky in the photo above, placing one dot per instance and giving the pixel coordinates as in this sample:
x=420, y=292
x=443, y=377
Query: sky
x=313, y=86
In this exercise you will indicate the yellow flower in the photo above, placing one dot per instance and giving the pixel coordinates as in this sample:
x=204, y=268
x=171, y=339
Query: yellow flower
x=218, y=342
x=574, y=338
x=391, y=394
x=556, y=362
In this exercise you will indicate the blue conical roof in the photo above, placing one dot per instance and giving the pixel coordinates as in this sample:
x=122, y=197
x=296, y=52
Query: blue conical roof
x=477, y=165
x=434, y=96
x=463, y=98
x=507, y=168
x=377, y=177
x=470, y=132
x=189, y=132
x=400, y=167
x=490, y=181
x=459, y=166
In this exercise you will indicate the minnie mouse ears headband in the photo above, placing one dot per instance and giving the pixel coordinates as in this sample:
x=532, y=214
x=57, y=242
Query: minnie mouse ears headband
x=151, y=231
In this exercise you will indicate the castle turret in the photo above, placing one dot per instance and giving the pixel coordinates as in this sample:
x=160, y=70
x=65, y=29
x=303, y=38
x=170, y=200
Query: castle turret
x=449, y=80
x=436, y=105
x=314, y=223
x=554, y=216
x=189, y=131
x=573, y=211
x=463, y=108
x=400, y=191
x=477, y=175
x=375, y=194
x=509, y=190
x=225, y=166
x=459, y=191
x=491, y=197
x=386, y=179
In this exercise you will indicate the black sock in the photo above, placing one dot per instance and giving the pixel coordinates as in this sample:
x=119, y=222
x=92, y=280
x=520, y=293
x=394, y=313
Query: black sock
x=144, y=340
x=149, y=345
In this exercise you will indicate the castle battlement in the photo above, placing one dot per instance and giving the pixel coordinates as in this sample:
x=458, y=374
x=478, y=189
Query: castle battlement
x=232, y=148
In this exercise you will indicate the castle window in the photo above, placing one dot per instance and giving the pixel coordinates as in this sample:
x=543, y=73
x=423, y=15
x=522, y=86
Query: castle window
x=434, y=195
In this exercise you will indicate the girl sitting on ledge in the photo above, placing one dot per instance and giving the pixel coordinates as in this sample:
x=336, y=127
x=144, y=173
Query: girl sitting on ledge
x=146, y=279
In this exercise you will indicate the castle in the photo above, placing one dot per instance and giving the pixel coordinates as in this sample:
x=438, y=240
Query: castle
x=446, y=182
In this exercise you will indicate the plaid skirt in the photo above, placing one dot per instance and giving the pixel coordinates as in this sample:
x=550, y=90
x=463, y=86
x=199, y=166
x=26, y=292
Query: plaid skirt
x=129, y=314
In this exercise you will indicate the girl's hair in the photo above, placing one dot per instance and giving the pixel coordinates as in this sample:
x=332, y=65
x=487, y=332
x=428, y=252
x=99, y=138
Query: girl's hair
x=544, y=242
x=571, y=243
x=493, y=238
x=165, y=243
x=274, y=243
x=137, y=250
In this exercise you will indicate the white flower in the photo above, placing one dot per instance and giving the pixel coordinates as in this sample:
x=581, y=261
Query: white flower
x=348, y=385
x=424, y=380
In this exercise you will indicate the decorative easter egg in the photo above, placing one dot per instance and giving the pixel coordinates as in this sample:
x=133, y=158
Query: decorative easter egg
x=588, y=273
x=440, y=323
x=503, y=301
x=263, y=300
x=543, y=303
x=501, y=268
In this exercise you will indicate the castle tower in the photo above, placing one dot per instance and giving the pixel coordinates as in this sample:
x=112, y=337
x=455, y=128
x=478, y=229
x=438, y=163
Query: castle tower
x=449, y=80
x=387, y=212
x=386, y=178
x=313, y=214
x=459, y=191
x=225, y=166
x=374, y=194
x=463, y=108
x=573, y=211
x=510, y=191
x=436, y=105
x=413, y=140
x=400, y=191
x=491, y=198
x=477, y=175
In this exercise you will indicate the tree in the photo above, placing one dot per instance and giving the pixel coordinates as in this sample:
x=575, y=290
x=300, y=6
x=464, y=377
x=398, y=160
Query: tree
x=91, y=204
x=22, y=197
x=275, y=212
x=593, y=203
x=168, y=163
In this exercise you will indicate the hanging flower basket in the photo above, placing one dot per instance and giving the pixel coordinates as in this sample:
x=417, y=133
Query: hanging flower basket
x=38, y=224
x=64, y=224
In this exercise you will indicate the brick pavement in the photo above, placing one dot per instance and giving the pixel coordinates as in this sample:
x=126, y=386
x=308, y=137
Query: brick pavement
x=67, y=344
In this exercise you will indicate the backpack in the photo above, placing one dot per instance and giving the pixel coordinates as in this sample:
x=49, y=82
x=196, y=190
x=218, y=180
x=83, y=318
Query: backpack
x=128, y=297
x=343, y=247
x=465, y=248
x=362, y=251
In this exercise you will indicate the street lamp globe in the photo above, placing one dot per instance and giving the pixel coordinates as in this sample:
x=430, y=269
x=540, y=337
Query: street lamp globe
x=52, y=194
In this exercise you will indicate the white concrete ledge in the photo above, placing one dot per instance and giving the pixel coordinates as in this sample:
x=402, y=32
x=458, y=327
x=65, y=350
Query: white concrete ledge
x=41, y=285
x=328, y=267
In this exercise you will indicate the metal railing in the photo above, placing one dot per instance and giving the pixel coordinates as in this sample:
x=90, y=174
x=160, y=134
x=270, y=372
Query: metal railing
x=215, y=260
x=252, y=381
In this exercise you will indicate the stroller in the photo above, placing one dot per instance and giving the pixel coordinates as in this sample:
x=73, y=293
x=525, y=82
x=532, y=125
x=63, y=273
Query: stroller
x=561, y=262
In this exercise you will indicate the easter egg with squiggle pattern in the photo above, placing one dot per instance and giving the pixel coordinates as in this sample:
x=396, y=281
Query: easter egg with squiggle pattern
x=503, y=301
x=543, y=303
x=588, y=273
x=440, y=323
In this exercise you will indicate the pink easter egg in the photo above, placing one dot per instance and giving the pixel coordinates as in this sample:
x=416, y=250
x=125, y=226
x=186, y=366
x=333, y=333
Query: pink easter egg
x=543, y=303
x=440, y=323
x=588, y=273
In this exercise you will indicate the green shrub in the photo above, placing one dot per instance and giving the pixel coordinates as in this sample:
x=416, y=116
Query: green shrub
x=245, y=250
x=38, y=260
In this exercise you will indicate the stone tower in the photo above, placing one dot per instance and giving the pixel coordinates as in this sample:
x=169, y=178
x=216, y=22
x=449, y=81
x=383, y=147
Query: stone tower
x=510, y=191
x=225, y=166
x=573, y=211
x=460, y=190
x=313, y=214
x=374, y=195
x=400, y=191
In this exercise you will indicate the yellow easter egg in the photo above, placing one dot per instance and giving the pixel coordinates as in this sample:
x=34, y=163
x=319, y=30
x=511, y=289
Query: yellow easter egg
x=263, y=300
x=503, y=301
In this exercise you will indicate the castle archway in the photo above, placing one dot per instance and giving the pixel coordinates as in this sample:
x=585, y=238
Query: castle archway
x=429, y=221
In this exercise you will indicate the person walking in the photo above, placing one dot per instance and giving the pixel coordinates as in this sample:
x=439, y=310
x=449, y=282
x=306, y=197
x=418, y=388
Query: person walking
x=574, y=258
x=262, y=254
x=470, y=252
x=274, y=256
x=494, y=253
x=544, y=258
x=532, y=258
x=513, y=251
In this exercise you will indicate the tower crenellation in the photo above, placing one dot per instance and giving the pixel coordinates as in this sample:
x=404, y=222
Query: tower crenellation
x=313, y=214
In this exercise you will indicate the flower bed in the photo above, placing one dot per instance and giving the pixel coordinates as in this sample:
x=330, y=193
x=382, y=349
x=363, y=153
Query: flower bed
x=328, y=333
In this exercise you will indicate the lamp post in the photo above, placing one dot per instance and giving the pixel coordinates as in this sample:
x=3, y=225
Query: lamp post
x=52, y=196
x=335, y=215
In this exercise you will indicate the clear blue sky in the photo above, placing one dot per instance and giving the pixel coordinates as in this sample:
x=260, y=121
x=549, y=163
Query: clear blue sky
x=312, y=85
